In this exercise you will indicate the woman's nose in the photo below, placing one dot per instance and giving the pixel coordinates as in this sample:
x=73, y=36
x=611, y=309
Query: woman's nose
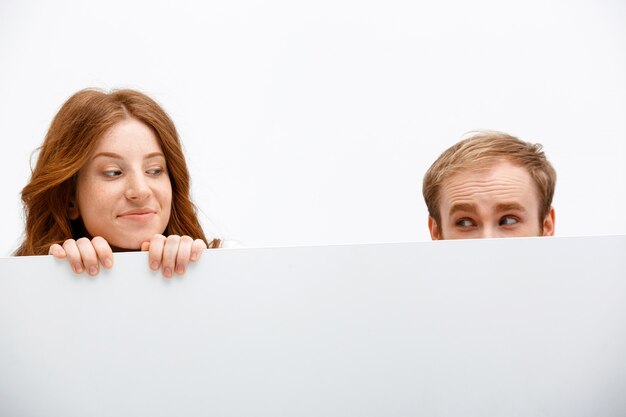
x=137, y=187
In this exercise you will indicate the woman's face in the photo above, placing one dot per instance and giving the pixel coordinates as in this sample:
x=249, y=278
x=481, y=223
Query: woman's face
x=123, y=193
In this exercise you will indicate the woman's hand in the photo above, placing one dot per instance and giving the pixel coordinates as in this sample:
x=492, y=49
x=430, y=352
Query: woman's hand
x=173, y=253
x=84, y=254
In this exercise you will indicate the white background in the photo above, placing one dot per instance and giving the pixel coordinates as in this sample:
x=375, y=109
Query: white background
x=314, y=122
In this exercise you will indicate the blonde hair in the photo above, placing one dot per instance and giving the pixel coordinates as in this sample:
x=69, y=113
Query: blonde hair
x=482, y=149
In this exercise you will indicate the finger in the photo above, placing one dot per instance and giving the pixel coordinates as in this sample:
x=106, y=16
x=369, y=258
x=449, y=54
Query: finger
x=184, y=252
x=103, y=251
x=73, y=255
x=169, y=255
x=197, y=248
x=155, y=255
x=145, y=246
x=88, y=255
x=57, y=251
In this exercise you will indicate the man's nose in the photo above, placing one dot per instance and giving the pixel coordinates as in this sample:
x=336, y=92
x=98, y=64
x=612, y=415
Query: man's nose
x=137, y=187
x=488, y=232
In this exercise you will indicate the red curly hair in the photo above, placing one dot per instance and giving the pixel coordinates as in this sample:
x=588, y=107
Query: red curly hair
x=71, y=139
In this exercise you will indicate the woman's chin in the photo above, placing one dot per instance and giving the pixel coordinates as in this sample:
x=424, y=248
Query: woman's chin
x=127, y=246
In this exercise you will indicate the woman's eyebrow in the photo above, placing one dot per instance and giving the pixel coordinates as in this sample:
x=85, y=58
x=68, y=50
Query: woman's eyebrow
x=154, y=155
x=118, y=156
x=107, y=155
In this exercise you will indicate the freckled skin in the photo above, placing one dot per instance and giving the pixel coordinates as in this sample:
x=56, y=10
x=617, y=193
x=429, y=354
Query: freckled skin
x=125, y=177
x=500, y=200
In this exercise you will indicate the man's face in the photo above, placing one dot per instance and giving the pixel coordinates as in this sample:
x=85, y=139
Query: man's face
x=500, y=200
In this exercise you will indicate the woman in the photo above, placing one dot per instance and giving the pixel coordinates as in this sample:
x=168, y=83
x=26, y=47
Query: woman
x=111, y=176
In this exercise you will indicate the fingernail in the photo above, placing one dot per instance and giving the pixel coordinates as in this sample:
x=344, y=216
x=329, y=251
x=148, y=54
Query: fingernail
x=180, y=269
x=108, y=262
x=93, y=270
x=167, y=272
x=154, y=265
x=78, y=268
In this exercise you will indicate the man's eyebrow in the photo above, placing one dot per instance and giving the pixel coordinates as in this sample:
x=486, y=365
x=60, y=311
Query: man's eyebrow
x=471, y=208
x=510, y=207
x=118, y=156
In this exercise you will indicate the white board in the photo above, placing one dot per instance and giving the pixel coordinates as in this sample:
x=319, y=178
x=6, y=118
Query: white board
x=515, y=327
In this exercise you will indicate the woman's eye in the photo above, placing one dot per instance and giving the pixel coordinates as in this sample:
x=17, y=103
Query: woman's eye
x=465, y=223
x=508, y=221
x=112, y=173
x=155, y=171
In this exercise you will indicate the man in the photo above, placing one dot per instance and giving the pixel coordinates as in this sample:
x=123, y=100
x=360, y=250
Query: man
x=490, y=185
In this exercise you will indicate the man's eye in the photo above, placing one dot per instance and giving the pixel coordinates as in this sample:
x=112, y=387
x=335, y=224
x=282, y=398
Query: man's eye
x=508, y=221
x=465, y=223
x=112, y=173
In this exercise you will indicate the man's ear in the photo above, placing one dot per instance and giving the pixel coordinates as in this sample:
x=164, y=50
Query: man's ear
x=435, y=232
x=548, y=223
x=73, y=209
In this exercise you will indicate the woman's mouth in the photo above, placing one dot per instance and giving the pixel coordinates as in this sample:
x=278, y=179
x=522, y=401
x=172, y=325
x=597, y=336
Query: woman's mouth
x=140, y=215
